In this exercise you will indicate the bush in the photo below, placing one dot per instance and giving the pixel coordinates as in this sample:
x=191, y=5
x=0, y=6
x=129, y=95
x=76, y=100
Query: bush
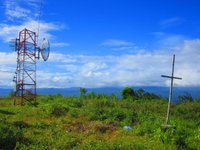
x=127, y=92
x=118, y=114
x=185, y=98
x=148, y=95
x=83, y=92
x=74, y=112
x=59, y=110
x=10, y=136
x=20, y=124
x=197, y=99
x=134, y=117
x=74, y=102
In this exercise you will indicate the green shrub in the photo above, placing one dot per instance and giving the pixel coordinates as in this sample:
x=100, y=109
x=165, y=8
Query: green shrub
x=83, y=92
x=20, y=124
x=10, y=136
x=197, y=99
x=74, y=113
x=59, y=110
x=119, y=116
x=133, y=116
x=127, y=92
x=74, y=102
x=50, y=97
x=185, y=98
x=96, y=122
x=111, y=145
x=148, y=95
x=40, y=125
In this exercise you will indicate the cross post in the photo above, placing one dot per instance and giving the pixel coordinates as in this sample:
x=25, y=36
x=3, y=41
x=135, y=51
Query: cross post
x=172, y=77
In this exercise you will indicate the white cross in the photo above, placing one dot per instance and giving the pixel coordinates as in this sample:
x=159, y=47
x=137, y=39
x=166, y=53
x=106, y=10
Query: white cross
x=171, y=89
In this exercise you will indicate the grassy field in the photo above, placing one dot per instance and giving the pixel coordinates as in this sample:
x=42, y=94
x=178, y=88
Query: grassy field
x=96, y=121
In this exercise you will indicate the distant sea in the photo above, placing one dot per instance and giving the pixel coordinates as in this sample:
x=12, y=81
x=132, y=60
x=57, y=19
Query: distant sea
x=161, y=91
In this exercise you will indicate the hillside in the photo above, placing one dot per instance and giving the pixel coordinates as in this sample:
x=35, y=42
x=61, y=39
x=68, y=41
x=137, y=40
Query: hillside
x=98, y=121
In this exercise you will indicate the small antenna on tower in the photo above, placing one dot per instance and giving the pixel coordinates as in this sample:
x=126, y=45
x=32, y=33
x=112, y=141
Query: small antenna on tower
x=39, y=17
x=13, y=44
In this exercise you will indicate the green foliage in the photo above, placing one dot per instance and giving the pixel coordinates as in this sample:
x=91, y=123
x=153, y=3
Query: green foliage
x=127, y=92
x=118, y=114
x=140, y=93
x=197, y=99
x=96, y=121
x=20, y=124
x=131, y=94
x=185, y=98
x=59, y=110
x=74, y=102
x=10, y=136
x=188, y=111
x=148, y=95
x=74, y=112
x=83, y=92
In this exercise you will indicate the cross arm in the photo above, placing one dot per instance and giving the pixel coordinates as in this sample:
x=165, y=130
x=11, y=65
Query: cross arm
x=165, y=76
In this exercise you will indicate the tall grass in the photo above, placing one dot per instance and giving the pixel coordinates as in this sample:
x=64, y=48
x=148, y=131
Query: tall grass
x=96, y=121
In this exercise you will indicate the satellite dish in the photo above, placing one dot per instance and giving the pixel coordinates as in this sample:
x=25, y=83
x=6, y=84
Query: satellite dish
x=13, y=43
x=45, y=49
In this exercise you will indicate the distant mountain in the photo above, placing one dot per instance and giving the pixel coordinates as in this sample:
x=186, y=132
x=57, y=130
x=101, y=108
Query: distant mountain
x=4, y=92
x=162, y=91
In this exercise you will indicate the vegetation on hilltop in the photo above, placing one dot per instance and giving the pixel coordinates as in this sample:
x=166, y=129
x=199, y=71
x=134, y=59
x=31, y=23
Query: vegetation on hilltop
x=96, y=121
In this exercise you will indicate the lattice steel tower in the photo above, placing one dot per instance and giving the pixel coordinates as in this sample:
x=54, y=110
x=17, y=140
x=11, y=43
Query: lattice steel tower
x=25, y=78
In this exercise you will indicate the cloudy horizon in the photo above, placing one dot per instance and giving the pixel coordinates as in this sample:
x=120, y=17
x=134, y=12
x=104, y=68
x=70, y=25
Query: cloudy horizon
x=105, y=52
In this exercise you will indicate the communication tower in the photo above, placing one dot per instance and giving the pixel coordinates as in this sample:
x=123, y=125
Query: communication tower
x=27, y=54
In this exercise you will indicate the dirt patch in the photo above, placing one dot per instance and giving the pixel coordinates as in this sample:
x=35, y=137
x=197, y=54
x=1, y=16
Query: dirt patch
x=103, y=128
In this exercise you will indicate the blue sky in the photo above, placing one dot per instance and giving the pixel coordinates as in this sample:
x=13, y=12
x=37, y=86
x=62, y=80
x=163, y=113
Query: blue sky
x=97, y=43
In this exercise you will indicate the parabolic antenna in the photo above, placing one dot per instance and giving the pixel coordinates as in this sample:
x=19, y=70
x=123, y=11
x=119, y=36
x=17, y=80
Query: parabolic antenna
x=13, y=43
x=45, y=49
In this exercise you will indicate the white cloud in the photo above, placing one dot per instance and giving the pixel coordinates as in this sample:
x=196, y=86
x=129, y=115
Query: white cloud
x=59, y=57
x=52, y=79
x=120, y=43
x=34, y=3
x=158, y=34
x=25, y=14
x=169, y=22
x=60, y=44
x=9, y=32
x=136, y=69
x=171, y=41
x=190, y=76
x=7, y=68
x=17, y=12
x=21, y=9
x=7, y=58
x=124, y=70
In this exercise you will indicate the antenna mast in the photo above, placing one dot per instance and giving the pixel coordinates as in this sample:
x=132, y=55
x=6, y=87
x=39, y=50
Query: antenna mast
x=25, y=79
x=25, y=75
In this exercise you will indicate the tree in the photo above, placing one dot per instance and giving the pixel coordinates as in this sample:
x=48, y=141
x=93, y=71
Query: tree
x=148, y=95
x=83, y=91
x=197, y=99
x=127, y=92
x=140, y=93
x=185, y=98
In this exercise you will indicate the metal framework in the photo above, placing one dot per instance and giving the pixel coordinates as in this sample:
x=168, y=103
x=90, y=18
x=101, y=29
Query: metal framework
x=25, y=78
